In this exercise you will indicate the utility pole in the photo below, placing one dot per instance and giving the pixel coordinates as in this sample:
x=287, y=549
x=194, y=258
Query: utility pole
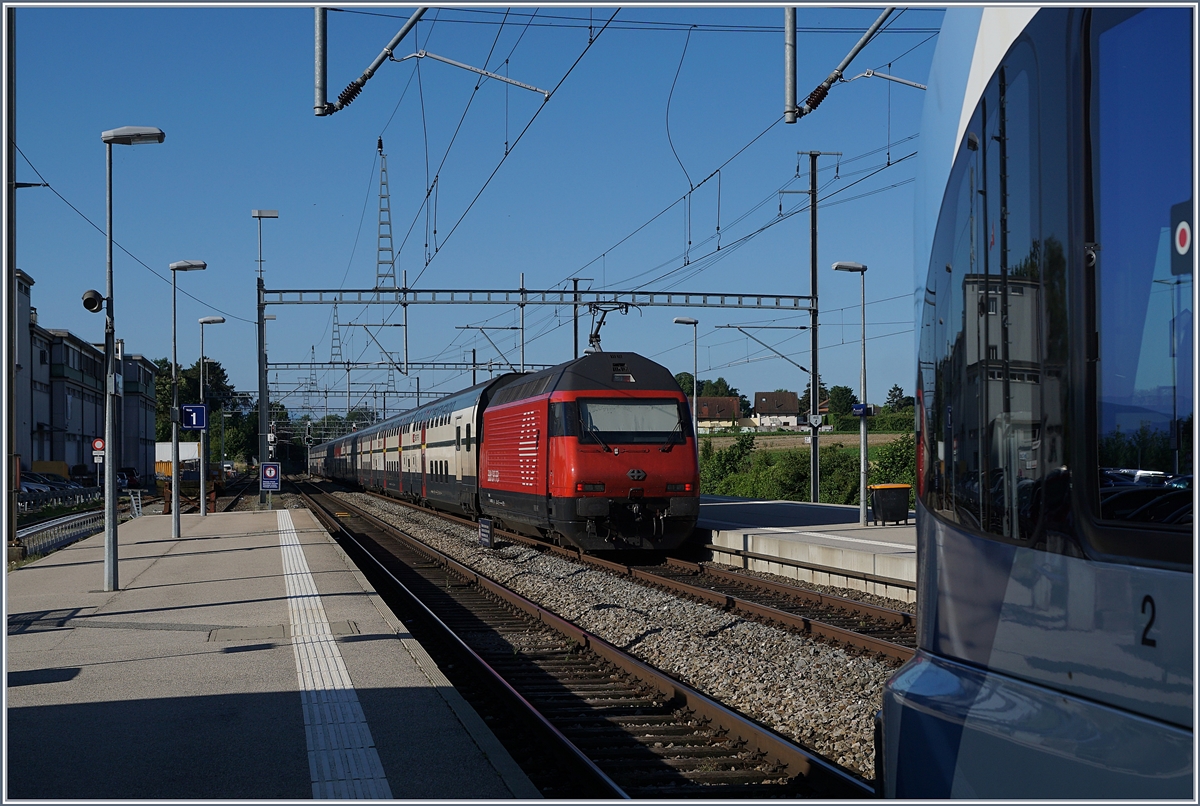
x=814, y=398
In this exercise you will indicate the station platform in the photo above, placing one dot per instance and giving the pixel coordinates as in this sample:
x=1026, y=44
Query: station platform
x=249, y=659
x=819, y=543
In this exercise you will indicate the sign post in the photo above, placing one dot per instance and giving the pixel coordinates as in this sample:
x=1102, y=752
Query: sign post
x=98, y=456
x=268, y=479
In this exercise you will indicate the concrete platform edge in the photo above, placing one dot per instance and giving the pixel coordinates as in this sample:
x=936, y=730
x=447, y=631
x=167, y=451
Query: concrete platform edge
x=509, y=771
x=897, y=566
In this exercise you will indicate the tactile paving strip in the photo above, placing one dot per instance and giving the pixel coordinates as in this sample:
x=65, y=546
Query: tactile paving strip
x=342, y=759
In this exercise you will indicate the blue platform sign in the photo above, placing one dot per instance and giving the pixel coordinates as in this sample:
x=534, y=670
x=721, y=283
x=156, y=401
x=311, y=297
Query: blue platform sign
x=269, y=476
x=193, y=417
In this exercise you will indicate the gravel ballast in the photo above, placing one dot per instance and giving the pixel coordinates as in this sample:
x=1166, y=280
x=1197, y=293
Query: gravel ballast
x=816, y=694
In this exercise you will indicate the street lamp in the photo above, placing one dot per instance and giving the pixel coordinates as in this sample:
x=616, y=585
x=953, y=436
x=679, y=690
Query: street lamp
x=183, y=265
x=862, y=421
x=124, y=136
x=263, y=402
x=685, y=320
x=204, y=320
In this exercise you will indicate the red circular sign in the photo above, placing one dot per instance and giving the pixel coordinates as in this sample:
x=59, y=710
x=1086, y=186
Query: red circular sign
x=97, y=444
x=1183, y=237
x=269, y=471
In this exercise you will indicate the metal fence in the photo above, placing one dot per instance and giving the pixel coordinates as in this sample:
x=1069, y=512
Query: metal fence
x=43, y=537
x=32, y=502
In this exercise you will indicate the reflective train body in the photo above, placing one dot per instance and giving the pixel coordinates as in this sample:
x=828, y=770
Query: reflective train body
x=597, y=453
x=1055, y=532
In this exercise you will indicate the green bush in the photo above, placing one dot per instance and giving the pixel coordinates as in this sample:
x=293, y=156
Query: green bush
x=896, y=463
x=779, y=475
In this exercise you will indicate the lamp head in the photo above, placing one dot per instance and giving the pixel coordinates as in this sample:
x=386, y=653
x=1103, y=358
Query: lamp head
x=264, y=214
x=93, y=301
x=685, y=320
x=212, y=320
x=189, y=265
x=133, y=135
x=845, y=265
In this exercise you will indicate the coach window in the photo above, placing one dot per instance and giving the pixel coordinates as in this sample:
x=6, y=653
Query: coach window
x=1141, y=184
x=458, y=437
x=468, y=437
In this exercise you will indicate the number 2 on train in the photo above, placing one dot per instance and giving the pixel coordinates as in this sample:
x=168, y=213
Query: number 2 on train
x=1146, y=640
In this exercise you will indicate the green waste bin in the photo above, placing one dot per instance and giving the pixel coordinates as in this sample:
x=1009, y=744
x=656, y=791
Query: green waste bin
x=889, y=503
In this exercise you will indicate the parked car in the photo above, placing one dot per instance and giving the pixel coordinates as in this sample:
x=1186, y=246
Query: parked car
x=122, y=481
x=54, y=477
x=135, y=480
x=82, y=476
x=33, y=487
x=1181, y=482
x=1110, y=478
x=49, y=483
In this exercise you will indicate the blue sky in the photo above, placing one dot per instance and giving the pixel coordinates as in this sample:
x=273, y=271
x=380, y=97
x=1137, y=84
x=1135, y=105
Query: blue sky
x=233, y=90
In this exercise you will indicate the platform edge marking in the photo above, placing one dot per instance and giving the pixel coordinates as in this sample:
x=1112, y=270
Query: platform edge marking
x=326, y=690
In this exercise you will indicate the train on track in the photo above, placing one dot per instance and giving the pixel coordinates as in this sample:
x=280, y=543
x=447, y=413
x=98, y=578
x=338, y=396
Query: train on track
x=596, y=453
x=1056, y=654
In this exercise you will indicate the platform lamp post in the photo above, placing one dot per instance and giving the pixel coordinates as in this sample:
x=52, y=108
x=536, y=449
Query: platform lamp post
x=204, y=320
x=684, y=320
x=182, y=265
x=124, y=136
x=862, y=421
x=263, y=398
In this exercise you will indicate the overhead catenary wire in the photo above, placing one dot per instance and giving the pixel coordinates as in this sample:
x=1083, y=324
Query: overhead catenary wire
x=496, y=170
x=548, y=322
x=134, y=257
x=569, y=22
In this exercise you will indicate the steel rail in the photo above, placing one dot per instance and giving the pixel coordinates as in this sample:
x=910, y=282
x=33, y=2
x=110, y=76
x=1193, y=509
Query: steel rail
x=331, y=521
x=725, y=601
x=825, y=778
x=245, y=482
x=875, y=611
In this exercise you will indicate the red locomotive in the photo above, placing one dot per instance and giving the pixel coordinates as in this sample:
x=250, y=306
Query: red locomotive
x=597, y=453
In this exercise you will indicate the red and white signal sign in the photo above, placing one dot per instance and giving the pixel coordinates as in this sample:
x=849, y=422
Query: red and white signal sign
x=98, y=444
x=1183, y=237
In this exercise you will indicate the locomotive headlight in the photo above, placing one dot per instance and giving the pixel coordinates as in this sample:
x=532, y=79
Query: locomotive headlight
x=679, y=488
x=586, y=487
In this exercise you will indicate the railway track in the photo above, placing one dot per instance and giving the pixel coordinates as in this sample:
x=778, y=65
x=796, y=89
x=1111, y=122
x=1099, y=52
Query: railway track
x=604, y=724
x=848, y=622
x=241, y=484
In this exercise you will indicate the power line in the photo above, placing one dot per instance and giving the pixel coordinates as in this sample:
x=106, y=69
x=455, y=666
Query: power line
x=519, y=136
x=138, y=260
x=569, y=22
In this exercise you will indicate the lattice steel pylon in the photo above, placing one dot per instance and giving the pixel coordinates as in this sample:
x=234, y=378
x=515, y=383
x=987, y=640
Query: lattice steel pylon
x=385, y=268
x=335, y=341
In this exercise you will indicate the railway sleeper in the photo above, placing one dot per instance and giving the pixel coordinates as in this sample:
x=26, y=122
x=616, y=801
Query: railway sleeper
x=695, y=752
x=674, y=741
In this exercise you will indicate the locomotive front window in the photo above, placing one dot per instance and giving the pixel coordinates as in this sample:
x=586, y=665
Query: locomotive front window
x=630, y=421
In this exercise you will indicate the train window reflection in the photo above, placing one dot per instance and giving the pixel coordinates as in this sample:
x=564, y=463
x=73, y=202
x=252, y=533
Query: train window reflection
x=1144, y=274
x=982, y=343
